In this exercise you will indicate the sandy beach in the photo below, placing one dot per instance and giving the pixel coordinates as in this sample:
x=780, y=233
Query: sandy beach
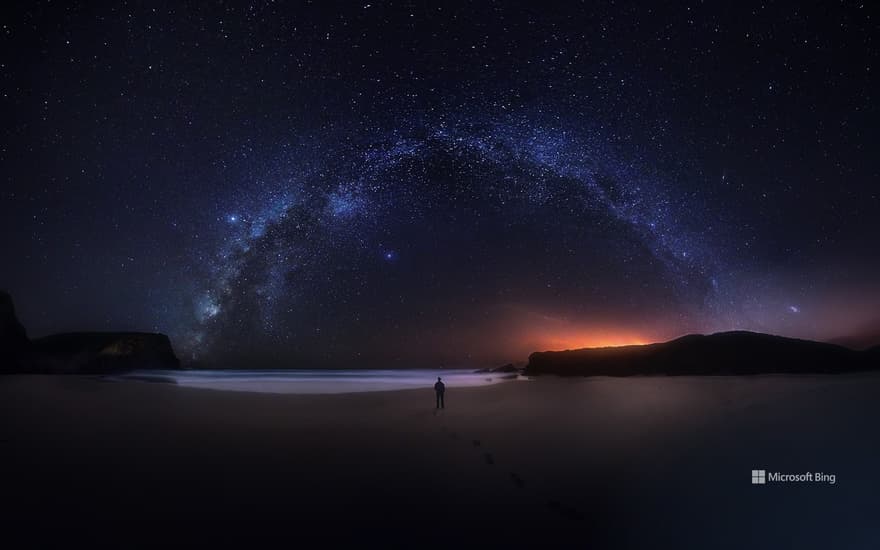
x=587, y=463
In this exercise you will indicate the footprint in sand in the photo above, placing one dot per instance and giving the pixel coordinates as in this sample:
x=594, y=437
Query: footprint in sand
x=489, y=460
x=518, y=481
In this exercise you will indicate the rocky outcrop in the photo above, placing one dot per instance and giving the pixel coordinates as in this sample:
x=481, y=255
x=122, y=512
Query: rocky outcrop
x=13, y=338
x=79, y=352
x=101, y=352
x=716, y=354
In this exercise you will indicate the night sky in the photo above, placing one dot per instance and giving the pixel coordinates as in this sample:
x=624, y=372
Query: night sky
x=427, y=183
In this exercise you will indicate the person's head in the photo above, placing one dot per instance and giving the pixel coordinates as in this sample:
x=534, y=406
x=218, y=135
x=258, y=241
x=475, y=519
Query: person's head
x=438, y=378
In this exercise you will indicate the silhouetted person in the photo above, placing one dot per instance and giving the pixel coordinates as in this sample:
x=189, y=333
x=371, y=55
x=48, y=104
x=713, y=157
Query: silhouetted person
x=439, y=388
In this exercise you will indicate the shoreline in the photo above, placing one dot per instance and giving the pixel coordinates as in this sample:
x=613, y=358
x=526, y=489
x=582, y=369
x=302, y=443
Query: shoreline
x=501, y=379
x=552, y=461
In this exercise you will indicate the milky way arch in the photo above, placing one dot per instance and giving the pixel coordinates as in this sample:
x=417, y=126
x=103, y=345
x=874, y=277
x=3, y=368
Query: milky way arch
x=331, y=215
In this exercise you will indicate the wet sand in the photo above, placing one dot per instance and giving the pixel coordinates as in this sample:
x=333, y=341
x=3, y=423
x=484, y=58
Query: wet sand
x=586, y=463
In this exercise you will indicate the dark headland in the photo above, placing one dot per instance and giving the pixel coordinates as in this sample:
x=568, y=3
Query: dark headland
x=78, y=352
x=724, y=353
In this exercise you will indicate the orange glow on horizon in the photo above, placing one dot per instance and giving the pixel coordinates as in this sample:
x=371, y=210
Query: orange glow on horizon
x=524, y=330
x=578, y=339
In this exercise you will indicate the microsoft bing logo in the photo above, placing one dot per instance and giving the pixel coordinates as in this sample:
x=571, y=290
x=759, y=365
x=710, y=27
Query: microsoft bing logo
x=759, y=477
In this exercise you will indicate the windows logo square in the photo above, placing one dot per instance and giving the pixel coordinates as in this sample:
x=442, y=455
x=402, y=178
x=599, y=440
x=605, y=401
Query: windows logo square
x=759, y=477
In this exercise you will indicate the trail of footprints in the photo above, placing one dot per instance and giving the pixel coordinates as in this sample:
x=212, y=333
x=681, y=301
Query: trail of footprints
x=556, y=506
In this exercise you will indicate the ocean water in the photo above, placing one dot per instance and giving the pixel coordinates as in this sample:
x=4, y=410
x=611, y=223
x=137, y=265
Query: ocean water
x=320, y=381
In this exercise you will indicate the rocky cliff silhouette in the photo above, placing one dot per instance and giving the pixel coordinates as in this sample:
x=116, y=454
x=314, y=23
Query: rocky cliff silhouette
x=13, y=338
x=723, y=353
x=79, y=352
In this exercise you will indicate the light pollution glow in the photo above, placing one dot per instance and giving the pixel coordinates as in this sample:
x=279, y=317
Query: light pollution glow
x=587, y=339
x=528, y=330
